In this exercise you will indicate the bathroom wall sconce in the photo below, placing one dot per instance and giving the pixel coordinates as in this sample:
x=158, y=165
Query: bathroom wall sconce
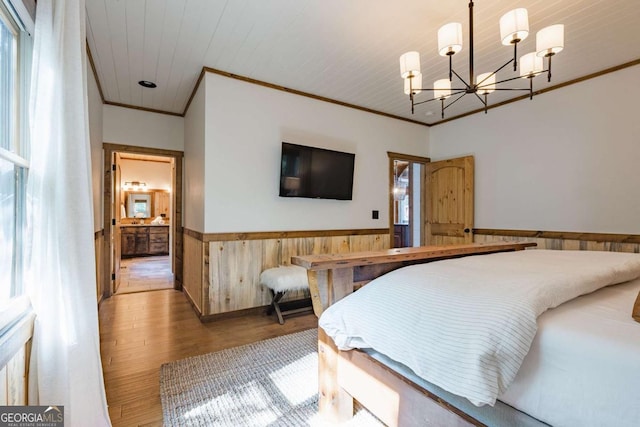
x=135, y=185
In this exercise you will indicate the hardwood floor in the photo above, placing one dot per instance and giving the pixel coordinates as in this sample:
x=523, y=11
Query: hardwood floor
x=141, y=331
x=145, y=274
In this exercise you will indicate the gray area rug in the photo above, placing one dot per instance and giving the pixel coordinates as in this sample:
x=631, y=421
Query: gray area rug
x=268, y=383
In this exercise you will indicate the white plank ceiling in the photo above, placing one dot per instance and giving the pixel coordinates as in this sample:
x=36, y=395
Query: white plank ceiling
x=346, y=50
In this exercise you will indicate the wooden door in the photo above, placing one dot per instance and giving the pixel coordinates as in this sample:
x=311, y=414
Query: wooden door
x=449, y=187
x=115, y=230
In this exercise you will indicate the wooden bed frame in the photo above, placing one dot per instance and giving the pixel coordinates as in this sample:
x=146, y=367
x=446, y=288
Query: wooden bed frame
x=348, y=375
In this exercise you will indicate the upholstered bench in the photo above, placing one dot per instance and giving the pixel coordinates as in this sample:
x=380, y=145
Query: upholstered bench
x=281, y=280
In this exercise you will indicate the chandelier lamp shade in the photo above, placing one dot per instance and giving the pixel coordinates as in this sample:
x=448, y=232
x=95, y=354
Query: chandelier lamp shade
x=414, y=84
x=514, y=28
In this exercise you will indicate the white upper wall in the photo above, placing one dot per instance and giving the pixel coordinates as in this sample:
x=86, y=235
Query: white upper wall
x=95, y=137
x=194, y=162
x=128, y=126
x=157, y=175
x=245, y=125
x=565, y=161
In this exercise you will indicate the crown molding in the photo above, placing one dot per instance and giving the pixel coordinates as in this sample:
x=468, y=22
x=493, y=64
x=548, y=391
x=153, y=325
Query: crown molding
x=294, y=92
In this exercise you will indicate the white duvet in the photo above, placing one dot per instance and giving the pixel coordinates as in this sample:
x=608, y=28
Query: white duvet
x=466, y=324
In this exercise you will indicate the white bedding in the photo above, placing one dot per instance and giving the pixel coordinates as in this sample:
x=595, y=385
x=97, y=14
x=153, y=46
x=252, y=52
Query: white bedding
x=583, y=368
x=466, y=324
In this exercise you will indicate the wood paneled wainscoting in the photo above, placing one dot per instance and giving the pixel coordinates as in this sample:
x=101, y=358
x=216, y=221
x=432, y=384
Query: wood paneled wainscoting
x=562, y=240
x=222, y=270
x=98, y=241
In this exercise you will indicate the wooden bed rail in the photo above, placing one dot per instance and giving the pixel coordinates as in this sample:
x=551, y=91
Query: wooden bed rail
x=334, y=276
x=345, y=376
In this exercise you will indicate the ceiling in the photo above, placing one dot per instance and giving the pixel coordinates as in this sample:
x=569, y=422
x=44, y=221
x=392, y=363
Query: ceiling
x=344, y=50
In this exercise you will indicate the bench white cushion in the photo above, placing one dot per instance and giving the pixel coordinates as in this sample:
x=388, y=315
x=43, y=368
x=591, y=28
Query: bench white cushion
x=285, y=278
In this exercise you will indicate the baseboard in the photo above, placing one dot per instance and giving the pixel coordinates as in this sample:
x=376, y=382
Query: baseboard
x=233, y=314
x=288, y=305
x=192, y=303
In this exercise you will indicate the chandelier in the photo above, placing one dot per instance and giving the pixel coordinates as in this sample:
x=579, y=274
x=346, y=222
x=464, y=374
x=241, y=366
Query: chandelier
x=514, y=28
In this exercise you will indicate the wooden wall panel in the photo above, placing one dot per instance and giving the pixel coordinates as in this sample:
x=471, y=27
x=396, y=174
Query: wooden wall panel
x=100, y=279
x=193, y=271
x=17, y=379
x=223, y=276
x=235, y=265
x=375, y=243
x=563, y=244
x=13, y=380
x=233, y=274
x=4, y=397
x=271, y=253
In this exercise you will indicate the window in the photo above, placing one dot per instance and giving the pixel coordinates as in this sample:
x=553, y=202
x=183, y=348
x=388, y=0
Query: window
x=13, y=152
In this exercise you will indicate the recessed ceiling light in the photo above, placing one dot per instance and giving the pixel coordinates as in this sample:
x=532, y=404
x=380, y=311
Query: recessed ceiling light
x=147, y=83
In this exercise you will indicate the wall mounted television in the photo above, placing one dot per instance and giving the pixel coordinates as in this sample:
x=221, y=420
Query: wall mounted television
x=315, y=173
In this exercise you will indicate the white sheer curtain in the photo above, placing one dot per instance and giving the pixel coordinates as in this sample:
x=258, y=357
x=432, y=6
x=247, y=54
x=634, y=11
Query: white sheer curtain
x=65, y=366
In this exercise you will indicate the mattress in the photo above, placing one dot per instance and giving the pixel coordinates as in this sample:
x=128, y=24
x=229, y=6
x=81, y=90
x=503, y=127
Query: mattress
x=583, y=367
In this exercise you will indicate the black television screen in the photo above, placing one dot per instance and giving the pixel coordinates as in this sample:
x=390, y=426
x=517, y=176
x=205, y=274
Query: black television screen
x=315, y=173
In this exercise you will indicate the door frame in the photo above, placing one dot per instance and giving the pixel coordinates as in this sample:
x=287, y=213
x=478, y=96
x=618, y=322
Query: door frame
x=411, y=159
x=176, y=210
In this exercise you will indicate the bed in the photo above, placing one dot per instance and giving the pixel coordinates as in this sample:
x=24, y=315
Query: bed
x=580, y=368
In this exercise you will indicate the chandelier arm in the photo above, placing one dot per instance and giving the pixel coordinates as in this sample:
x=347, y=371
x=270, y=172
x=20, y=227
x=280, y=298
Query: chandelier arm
x=436, y=99
x=454, y=90
x=461, y=79
x=534, y=74
x=428, y=100
x=484, y=101
x=496, y=72
x=511, y=88
x=454, y=101
x=508, y=80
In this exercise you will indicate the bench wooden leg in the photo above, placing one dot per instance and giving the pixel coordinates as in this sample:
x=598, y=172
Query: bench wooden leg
x=275, y=299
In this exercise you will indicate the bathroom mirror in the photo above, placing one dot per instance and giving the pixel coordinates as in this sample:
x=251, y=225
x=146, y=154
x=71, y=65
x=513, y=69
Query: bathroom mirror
x=138, y=205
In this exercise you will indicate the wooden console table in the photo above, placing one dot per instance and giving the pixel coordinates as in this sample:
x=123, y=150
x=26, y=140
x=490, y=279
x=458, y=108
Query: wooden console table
x=334, y=276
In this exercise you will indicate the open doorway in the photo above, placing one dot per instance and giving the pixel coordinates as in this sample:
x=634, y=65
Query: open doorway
x=406, y=200
x=143, y=198
x=143, y=222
